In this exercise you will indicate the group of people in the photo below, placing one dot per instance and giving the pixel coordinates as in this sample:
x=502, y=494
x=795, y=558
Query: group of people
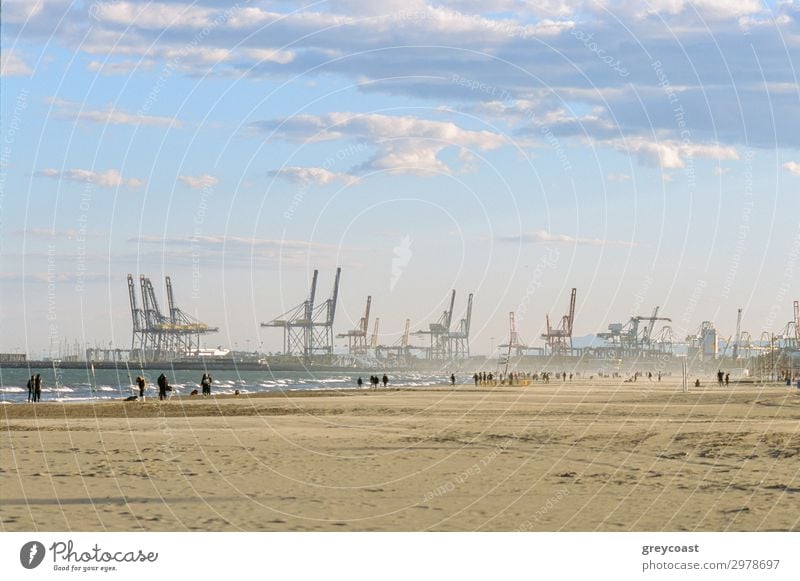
x=35, y=388
x=164, y=386
x=723, y=378
x=516, y=377
x=375, y=381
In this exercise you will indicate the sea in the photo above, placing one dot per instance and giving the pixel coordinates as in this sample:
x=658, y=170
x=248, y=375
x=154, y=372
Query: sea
x=80, y=385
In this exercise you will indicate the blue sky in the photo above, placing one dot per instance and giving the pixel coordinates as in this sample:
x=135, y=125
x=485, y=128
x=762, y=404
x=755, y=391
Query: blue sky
x=643, y=152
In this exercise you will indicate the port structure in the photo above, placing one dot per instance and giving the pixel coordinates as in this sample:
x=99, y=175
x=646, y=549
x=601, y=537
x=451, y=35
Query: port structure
x=357, y=338
x=308, y=328
x=515, y=343
x=632, y=339
x=159, y=336
x=559, y=337
x=400, y=350
x=446, y=343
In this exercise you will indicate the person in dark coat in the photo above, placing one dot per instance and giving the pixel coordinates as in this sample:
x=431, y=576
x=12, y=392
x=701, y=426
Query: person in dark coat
x=31, y=383
x=385, y=380
x=141, y=382
x=452, y=378
x=162, y=386
x=37, y=388
x=360, y=382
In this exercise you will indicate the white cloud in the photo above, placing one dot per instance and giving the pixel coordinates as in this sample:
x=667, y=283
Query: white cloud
x=403, y=144
x=12, y=65
x=154, y=15
x=240, y=249
x=109, y=116
x=709, y=9
x=269, y=55
x=618, y=177
x=201, y=182
x=106, y=179
x=312, y=175
x=540, y=236
x=792, y=167
x=51, y=233
x=671, y=154
x=120, y=67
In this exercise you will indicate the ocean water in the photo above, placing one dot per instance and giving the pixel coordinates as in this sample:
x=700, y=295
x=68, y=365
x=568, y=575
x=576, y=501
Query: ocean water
x=67, y=385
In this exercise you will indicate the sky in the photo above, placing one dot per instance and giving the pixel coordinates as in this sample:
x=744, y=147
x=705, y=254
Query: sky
x=645, y=153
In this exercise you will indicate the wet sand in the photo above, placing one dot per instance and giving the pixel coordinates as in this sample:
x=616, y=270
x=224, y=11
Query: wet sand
x=580, y=456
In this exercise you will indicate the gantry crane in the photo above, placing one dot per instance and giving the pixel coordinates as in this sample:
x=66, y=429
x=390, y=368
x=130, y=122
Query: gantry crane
x=308, y=328
x=559, y=338
x=357, y=338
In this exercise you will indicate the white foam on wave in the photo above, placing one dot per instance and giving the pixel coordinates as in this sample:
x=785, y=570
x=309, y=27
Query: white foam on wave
x=12, y=389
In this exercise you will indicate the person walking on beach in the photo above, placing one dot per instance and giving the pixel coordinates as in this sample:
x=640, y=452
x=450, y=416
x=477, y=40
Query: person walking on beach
x=140, y=381
x=385, y=380
x=727, y=379
x=475, y=378
x=360, y=382
x=453, y=379
x=162, y=387
x=206, y=382
x=37, y=388
x=31, y=382
x=720, y=377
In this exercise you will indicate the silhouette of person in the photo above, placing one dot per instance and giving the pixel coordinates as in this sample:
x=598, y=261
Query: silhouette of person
x=475, y=377
x=37, y=388
x=453, y=378
x=360, y=382
x=385, y=380
x=727, y=379
x=31, y=382
x=162, y=386
x=140, y=381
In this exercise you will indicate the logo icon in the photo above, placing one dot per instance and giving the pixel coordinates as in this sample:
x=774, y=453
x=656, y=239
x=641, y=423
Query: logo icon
x=402, y=256
x=31, y=554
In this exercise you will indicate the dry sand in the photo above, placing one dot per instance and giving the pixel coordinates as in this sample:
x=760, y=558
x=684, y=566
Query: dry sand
x=578, y=457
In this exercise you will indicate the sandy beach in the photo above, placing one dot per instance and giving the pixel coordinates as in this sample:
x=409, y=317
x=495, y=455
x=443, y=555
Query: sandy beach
x=580, y=456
